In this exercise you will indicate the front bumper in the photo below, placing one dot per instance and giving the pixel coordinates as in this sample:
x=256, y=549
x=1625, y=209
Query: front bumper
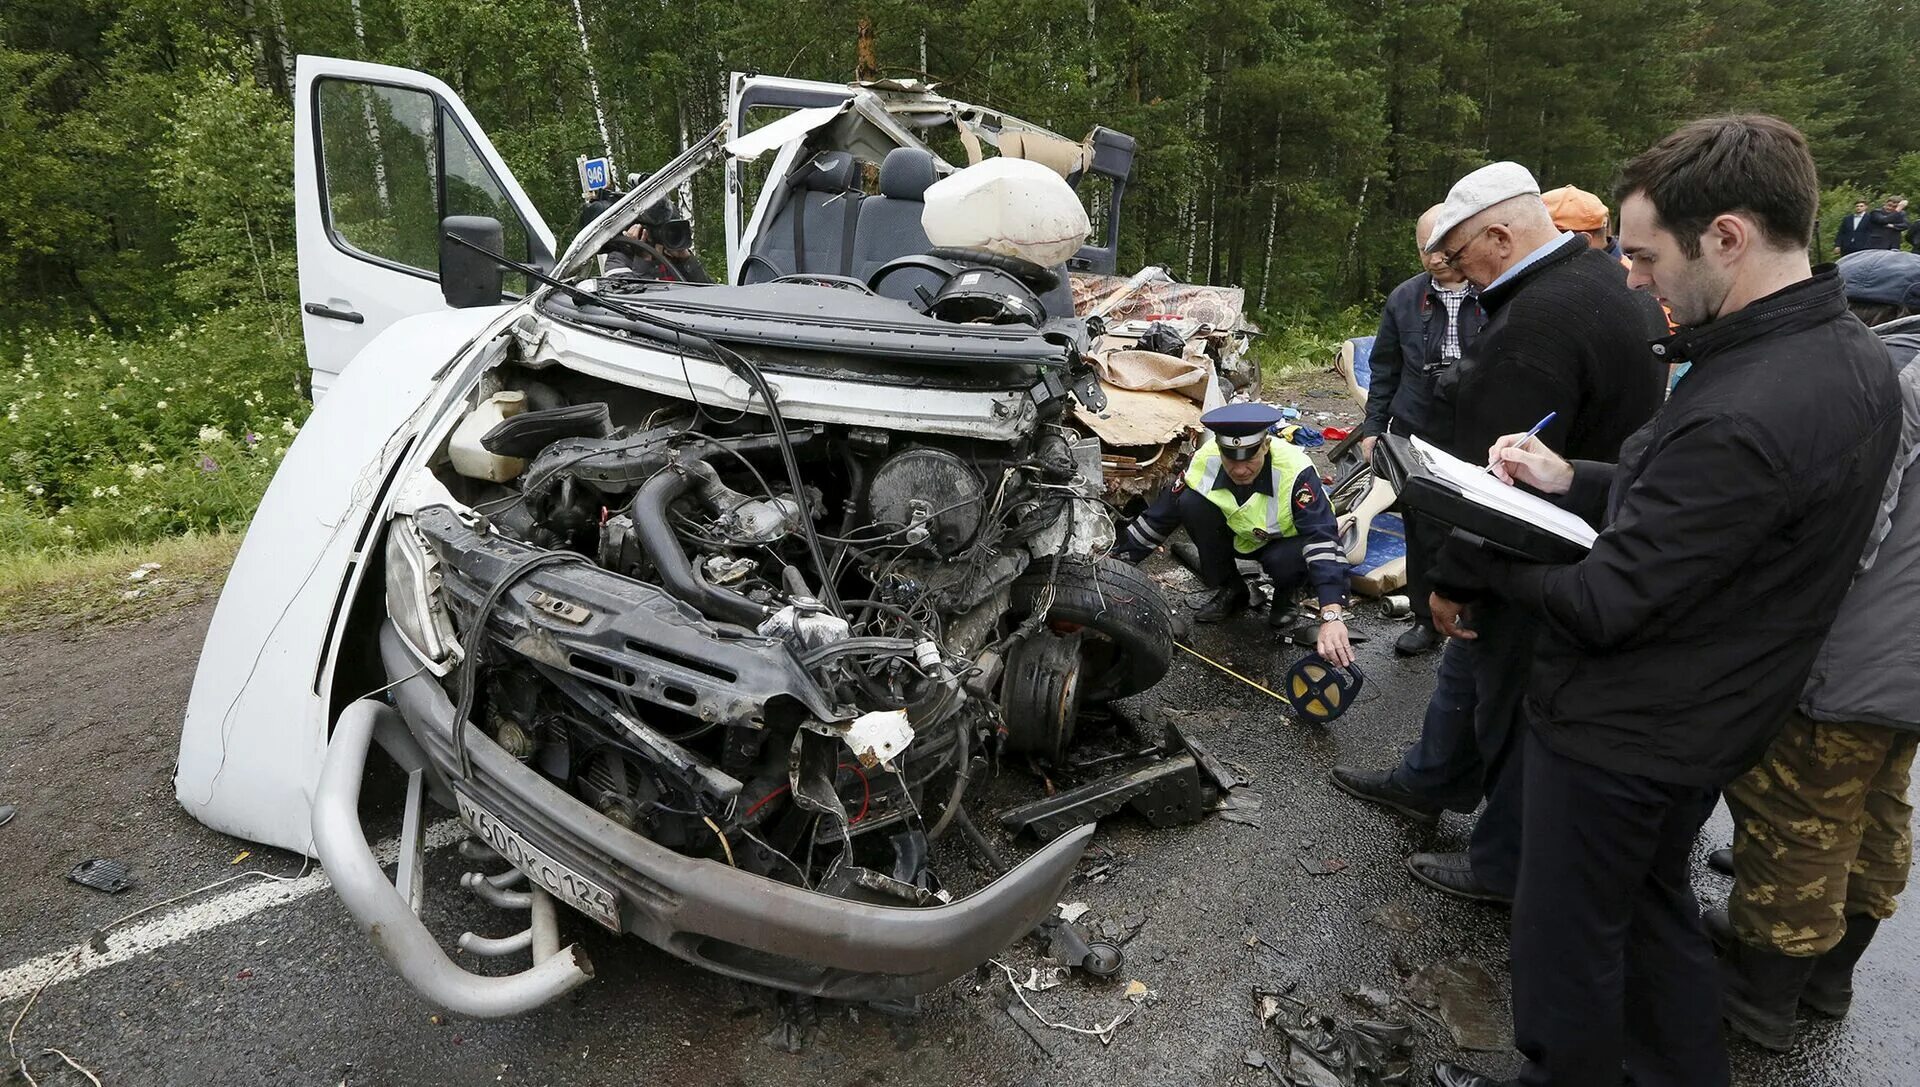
x=729, y=921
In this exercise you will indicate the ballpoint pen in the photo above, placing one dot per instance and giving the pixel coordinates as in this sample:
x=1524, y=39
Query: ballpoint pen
x=1537, y=428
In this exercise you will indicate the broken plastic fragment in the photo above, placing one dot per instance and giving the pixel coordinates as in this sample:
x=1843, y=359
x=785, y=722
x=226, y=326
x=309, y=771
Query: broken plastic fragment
x=876, y=737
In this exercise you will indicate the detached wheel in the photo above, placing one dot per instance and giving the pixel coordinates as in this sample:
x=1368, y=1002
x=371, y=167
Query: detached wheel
x=1040, y=694
x=1128, y=623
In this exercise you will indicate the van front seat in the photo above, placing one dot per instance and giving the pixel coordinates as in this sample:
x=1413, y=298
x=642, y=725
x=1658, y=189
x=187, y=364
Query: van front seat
x=813, y=231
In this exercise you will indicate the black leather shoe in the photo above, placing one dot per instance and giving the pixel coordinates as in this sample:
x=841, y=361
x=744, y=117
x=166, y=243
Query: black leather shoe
x=1830, y=990
x=1377, y=787
x=1452, y=1075
x=1721, y=861
x=1225, y=602
x=1759, y=991
x=1283, y=617
x=1417, y=639
x=1453, y=873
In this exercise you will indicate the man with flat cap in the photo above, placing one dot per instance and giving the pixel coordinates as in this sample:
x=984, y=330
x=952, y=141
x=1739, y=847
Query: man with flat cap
x=1248, y=495
x=1565, y=336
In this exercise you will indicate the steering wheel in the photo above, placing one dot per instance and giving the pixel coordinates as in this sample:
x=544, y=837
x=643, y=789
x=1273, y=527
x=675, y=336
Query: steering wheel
x=753, y=260
x=1039, y=277
x=933, y=267
x=821, y=279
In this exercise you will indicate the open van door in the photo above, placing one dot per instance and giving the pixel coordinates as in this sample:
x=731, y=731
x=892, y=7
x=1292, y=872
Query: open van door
x=381, y=156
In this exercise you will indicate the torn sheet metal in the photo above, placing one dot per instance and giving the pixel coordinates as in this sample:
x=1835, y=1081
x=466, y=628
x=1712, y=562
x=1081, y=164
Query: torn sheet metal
x=779, y=133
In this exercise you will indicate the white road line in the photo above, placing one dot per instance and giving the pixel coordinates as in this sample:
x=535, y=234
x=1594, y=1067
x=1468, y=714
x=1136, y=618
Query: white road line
x=193, y=919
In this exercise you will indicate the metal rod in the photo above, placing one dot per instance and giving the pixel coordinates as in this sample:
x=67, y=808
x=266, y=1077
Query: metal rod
x=487, y=892
x=385, y=916
x=545, y=927
x=505, y=945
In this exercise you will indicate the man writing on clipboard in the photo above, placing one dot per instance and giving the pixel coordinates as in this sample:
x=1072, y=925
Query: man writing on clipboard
x=1565, y=335
x=1669, y=654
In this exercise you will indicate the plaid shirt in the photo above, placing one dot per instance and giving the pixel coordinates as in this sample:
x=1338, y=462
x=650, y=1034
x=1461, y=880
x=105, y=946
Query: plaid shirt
x=1451, y=299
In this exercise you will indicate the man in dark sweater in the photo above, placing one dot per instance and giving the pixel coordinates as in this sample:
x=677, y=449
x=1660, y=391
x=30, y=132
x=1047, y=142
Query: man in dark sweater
x=1564, y=335
x=1730, y=527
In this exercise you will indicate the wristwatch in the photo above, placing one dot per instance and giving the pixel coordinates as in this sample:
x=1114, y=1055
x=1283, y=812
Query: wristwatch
x=1333, y=613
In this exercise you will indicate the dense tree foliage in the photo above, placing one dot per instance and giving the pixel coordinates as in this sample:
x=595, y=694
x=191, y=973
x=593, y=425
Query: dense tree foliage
x=1287, y=144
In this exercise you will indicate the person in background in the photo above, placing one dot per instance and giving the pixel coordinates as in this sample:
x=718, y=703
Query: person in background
x=1729, y=530
x=1564, y=335
x=664, y=249
x=1578, y=211
x=1886, y=223
x=1852, y=235
x=1822, y=838
x=1429, y=321
x=1247, y=494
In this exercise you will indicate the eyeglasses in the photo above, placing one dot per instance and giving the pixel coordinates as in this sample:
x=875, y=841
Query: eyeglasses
x=1452, y=260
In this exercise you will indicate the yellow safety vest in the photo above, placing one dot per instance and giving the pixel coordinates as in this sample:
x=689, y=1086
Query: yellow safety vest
x=1264, y=516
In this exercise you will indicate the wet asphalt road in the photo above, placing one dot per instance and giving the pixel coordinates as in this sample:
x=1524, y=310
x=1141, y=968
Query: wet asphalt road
x=292, y=995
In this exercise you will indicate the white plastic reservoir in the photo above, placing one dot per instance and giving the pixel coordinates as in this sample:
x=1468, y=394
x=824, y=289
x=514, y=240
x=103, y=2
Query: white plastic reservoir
x=1011, y=206
x=476, y=461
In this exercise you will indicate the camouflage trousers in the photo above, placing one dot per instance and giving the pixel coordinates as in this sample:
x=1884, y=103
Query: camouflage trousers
x=1821, y=829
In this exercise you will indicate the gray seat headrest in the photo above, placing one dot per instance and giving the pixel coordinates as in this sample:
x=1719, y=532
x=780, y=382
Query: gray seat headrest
x=906, y=173
x=828, y=171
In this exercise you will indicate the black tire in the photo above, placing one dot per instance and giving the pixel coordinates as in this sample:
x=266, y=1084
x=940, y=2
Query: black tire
x=1118, y=602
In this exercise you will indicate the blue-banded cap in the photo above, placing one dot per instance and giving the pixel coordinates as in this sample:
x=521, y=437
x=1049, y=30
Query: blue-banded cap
x=1242, y=430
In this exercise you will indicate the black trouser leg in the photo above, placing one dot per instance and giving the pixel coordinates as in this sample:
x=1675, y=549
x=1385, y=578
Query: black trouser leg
x=1611, y=969
x=1285, y=561
x=1207, y=527
x=1424, y=537
x=1502, y=661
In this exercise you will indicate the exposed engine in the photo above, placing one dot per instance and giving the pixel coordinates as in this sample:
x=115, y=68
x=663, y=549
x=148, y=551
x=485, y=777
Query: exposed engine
x=789, y=650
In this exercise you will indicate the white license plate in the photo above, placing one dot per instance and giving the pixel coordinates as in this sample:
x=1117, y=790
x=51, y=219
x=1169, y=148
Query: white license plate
x=562, y=882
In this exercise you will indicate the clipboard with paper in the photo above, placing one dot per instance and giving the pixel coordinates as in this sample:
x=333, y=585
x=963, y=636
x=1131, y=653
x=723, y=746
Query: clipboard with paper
x=1466, y=496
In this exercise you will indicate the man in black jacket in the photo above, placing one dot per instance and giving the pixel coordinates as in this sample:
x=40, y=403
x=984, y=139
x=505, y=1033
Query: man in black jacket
x=1564, y=335
x=1852, y=235
x=1669, y=655
x=1885, y=224
x=1430, y=321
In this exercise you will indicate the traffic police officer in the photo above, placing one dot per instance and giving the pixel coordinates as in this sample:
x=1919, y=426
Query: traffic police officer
x=1247, y=494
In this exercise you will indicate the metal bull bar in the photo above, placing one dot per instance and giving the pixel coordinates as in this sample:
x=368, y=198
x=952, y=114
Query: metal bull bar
x=386, y=915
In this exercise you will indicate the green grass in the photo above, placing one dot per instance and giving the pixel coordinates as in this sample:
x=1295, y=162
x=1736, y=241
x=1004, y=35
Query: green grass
x=73, y=588
x=1294, y=345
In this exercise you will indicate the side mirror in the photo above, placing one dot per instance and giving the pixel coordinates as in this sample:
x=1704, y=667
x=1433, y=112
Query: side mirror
x=468, y=277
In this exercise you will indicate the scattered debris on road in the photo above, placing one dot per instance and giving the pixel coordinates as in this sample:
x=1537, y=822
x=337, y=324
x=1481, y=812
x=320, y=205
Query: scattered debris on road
x=1468, y=1000
x=102, y=874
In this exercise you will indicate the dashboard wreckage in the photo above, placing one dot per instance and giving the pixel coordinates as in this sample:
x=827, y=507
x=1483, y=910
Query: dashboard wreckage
x=703, y=606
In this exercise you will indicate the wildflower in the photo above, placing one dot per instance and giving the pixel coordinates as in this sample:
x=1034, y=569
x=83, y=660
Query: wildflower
x=160, y=404
x=210, y=434
x=70, y=395
x=157, y=467
x=209, y=465
x=113, y=490
x=287, y=426
x=147, y=447
x=251, y=438
x=66, y=531
x=36, y=490
x=99, y=492
x=137, y=471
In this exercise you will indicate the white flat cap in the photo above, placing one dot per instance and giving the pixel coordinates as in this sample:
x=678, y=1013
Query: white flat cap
x=1477, y=192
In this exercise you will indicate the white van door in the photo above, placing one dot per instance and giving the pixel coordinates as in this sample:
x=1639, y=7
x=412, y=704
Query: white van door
x=382, y=155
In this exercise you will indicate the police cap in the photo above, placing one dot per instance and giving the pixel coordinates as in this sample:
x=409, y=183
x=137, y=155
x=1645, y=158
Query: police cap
x=1242, y=429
